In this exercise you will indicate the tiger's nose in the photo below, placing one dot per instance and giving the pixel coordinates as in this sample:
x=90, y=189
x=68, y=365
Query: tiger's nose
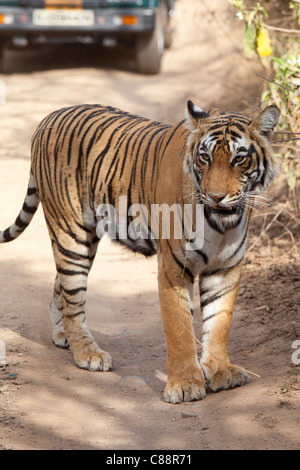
x=217, y=197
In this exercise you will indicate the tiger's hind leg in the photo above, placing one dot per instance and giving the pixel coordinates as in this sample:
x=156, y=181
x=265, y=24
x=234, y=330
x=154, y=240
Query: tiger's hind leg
x=68, y=304
x=56, y=307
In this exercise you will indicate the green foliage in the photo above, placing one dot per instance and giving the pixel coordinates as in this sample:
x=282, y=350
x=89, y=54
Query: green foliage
x=256, y=38
x=284, y=91
x=249, y=41
x=296, y=11
x=287, y=74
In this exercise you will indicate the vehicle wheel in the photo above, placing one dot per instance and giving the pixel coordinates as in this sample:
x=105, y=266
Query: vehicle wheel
x=150, y=49
x=168, y=30
x=1, y=57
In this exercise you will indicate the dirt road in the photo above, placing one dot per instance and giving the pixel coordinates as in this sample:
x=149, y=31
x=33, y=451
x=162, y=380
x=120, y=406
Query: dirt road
x=48, y=403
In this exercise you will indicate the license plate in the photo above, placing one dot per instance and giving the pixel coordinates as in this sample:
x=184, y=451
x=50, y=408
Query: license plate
x=63, y=18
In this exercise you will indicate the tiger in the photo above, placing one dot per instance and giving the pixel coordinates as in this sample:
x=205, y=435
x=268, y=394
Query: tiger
x=88, y=157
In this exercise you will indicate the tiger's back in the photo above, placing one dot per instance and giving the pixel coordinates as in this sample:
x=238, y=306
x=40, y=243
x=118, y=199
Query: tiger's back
x=87, y=156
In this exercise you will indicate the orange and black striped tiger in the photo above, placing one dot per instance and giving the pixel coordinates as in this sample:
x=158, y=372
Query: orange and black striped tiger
x=92, y=164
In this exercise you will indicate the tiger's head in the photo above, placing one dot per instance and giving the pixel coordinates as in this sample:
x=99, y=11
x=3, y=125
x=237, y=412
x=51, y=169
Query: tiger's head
x=229, y=159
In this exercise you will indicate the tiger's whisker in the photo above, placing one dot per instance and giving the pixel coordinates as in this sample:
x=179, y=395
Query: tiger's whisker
x=284, y=132
x=285, y=140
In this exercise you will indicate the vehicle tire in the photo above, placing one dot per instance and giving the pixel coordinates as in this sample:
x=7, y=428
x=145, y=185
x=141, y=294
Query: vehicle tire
x=150, y=49
x=2, y=45
x=168, y=31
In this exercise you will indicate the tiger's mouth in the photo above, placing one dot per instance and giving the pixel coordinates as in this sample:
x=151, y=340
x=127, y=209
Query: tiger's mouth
x=221, y=210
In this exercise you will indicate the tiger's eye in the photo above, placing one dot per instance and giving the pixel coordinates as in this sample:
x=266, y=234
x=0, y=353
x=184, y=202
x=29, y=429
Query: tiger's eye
x=204, y=157
x=238, y=160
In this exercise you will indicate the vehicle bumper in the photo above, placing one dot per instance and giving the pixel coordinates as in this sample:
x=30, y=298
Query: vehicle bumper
x=114, y=21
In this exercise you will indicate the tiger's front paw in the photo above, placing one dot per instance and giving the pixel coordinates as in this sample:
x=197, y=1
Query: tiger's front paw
x=177, y=391
x=225, y=377
x=59, y=339
x=92, y=358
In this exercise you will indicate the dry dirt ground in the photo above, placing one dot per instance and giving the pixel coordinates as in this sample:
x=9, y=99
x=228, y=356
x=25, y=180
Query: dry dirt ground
x=48, y=403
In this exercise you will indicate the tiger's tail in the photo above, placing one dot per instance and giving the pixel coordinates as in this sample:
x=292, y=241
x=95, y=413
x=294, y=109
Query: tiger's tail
x=25, y=216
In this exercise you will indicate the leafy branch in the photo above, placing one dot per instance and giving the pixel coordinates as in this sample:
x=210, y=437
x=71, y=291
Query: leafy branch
x=256, y=36
x=284, y=89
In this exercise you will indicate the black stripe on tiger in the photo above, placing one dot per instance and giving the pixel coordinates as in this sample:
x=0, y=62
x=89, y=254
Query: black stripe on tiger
x=184, y=269
x=216, y=296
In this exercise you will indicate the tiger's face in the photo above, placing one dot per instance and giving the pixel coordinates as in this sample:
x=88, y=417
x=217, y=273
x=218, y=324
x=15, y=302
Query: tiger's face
x=229, y=159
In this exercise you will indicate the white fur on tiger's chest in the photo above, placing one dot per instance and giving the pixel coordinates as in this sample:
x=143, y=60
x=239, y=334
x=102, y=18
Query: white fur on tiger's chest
x=219, y=250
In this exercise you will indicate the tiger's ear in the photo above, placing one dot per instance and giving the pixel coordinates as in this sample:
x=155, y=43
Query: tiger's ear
x=192, y=116
x=267, y=120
